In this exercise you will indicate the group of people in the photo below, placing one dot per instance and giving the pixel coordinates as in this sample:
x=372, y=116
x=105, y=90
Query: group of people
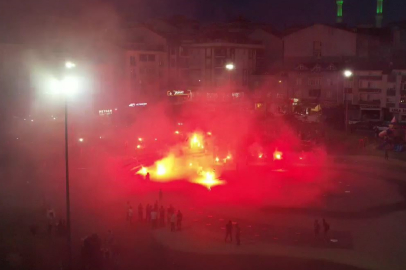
x=157, y=216
x=317, y=227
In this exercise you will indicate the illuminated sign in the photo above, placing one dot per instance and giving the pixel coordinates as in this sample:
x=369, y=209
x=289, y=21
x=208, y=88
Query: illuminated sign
x=394, y=110
x=138, y=104
x=179, y=93
x=105, y=112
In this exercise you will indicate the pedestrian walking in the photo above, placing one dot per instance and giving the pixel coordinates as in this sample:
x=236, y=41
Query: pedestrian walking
x=173, y=220
x=316, y=228
x=154, y=218
x=326, y=227
x=179, y=218
x=130, y=214
x=162, y=216
x=140, y=212
x=229, y=231
x=237, y=234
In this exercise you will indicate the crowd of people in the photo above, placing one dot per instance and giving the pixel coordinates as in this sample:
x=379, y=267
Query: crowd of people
x=156, y=215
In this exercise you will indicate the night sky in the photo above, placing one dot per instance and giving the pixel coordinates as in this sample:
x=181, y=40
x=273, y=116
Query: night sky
x=277, y=12
x=280, y=13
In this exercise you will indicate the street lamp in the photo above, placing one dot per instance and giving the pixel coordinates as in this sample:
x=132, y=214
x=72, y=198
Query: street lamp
x=347, y=74
x=70, y=65
x=67, y=86
x=230, y=66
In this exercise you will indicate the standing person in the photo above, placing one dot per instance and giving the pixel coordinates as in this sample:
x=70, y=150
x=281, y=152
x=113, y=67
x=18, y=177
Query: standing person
x=154, y=218
x=140, y=212
x=156, y=206
x=229, y=231
x=147, y=177
x=173, y=220
x=148, y=213
x=162, y=216
x=51, y=220
x=170, y=212
x=316, y=228
x=237, y=234
x=128, y=210
x=130, y=214
x=179, y=218
x=326, y=226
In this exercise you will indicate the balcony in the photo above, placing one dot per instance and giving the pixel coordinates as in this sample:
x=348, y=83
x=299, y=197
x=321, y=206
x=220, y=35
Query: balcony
x=369, y=90
x=370, y=102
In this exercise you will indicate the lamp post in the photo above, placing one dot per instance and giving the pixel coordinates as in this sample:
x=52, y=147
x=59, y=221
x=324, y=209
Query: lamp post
x=68, y=85
x=347, y=74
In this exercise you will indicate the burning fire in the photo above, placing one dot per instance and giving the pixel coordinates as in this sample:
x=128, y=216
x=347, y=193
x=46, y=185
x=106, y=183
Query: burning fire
x=208, y=179
x=179, y=165
x=277, y=155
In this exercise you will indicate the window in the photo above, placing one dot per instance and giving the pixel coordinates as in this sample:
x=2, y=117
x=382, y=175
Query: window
x=404, y=86
x=391, y=92
x=151, y=57
x=184, y=51
x=245, y=77
x=250, y=54
x=173, y=51
x=220, y=52
x=232, y=53
x=143, y=57
x=132, y=60
x=298, y=81
x=317, y=48
x=219, y=62
x=314, y=81
x=133, y=73
x=314, y=92
x=208, y=52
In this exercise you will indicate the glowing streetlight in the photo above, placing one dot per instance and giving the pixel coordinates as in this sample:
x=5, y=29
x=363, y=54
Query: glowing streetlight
x=230, y=66
x=81, y=140
x=70, y=65
x=347, y=73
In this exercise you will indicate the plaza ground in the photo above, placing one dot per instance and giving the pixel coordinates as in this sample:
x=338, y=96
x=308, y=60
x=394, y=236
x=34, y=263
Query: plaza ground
x=363, y=198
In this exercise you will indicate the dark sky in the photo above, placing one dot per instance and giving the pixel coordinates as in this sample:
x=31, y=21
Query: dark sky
x=277, y=12
x=280, y=13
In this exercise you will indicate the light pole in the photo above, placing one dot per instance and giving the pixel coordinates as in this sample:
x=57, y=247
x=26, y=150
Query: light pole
x=347, y=74
x=67, y=86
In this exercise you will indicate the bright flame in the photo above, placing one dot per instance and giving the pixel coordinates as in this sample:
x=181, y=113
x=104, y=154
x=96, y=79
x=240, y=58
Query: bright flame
x=196, y=141
x=140, y=139
x=229, y=157
x=260, y=155
x=176, y=132
x=277, y=155
x=143, y=171
x=138, y=146
x=208, y=179
x=161, y=170
x=209, y=133
x=217, y=159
